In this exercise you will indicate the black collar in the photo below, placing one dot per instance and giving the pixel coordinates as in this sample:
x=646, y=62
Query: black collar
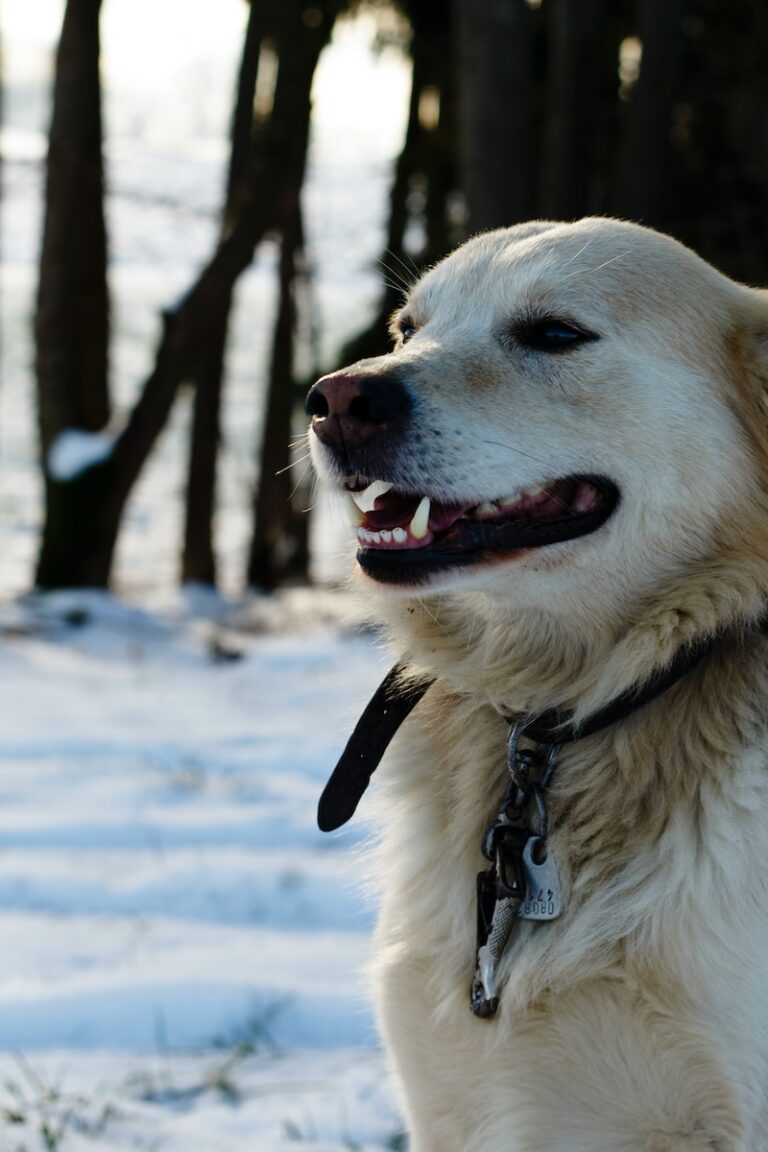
x=393, y=701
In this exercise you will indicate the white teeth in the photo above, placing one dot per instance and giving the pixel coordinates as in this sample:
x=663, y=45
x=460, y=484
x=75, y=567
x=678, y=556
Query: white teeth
x=366, y=499
x=399, y=535
x=419, y=526
x=489, y=507
x=354, y=515
x=513, y=498
x=386, y=535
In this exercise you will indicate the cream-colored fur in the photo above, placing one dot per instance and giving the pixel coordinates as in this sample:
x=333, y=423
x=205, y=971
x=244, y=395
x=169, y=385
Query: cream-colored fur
x=639, y=1019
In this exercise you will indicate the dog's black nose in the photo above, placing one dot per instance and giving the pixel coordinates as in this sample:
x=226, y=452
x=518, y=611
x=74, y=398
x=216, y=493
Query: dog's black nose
x=349, y=409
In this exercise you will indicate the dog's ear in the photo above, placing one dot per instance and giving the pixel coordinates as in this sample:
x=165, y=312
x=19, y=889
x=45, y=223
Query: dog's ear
x=752, y=323
x=747, y=368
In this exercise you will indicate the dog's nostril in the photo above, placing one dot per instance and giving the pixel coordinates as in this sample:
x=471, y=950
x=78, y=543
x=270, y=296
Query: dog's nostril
x=316, y=403
x=360, y=408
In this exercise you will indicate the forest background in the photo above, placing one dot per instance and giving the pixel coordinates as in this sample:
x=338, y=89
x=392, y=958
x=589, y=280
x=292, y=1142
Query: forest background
x=653, y=111
x=203, y=207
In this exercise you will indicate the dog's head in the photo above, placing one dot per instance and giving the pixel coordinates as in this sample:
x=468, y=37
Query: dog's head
x=570, y=411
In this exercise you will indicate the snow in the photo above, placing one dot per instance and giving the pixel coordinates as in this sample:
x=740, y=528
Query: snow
x=74, y=451
x=184, y=953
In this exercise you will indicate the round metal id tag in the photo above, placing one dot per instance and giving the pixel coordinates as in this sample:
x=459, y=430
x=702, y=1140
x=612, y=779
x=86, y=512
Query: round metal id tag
x=542, y=885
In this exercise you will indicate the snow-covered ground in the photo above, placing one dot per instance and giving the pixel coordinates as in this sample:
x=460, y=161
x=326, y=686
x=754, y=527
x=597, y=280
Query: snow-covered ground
x=183, y=952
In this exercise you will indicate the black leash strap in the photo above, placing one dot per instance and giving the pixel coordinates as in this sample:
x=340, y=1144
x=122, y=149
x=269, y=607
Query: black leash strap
x=389, y=706
x=392, y=702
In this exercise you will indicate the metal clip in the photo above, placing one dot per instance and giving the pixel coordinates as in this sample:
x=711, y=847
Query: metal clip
x=509, y=843
x=522, y=882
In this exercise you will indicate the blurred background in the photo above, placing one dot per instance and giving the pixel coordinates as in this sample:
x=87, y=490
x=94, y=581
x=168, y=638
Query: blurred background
x=203, y=207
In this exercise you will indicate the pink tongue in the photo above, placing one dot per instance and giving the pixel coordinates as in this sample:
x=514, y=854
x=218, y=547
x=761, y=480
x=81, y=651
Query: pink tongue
x=396, y=511
x=391, y=511
x=441, y=516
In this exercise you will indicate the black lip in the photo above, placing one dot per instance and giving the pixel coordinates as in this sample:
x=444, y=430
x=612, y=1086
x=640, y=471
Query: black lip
x=469, y=543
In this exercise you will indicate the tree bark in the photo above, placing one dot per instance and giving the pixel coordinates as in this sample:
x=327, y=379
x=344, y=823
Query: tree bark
x=571, y=113
x=83, y=514
x=428, y=155
x=72, y=314
x=278, y=544
x=645, y=146
x=716, y=174
x=198, y=558
x=496, y=110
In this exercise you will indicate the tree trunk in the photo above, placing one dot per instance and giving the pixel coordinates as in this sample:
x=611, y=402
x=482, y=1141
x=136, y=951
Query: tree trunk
x=72, y=315
x=571, y=113
x=80, y=531
x=645, y=146
x=198, y=559
x=83, y=512
x=278, y=545
x=497, y=110
x=716, y=175
x=90, y=512
x=429, y=155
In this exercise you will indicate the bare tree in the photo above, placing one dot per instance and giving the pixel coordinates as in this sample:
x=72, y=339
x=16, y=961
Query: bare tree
x=571, y=120
x=425, y=182
x=84, y=507
x=645, y=145
x=278, y=548
x=198, y=561
x=497, y=109
x=72, y=318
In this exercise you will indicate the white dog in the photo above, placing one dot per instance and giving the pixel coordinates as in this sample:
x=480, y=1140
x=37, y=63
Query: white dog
x=559, y=479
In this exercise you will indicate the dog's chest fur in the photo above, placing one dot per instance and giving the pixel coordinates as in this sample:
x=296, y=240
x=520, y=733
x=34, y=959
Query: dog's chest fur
x=658, y=830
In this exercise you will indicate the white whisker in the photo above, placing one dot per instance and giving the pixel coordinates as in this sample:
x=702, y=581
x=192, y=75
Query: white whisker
x=589, y=271
x=293, y=464
x=410, y=278
x=536, y=460
x=299, y=482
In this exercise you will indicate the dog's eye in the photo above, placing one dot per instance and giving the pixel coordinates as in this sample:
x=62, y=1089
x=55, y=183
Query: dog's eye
x=550, y=335
x=406, y=329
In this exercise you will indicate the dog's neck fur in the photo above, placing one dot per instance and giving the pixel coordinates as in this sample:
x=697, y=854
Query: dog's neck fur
x=614, y=797
x=531, y=661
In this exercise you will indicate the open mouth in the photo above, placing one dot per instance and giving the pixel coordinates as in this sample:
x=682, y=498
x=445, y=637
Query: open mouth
x=404, y=538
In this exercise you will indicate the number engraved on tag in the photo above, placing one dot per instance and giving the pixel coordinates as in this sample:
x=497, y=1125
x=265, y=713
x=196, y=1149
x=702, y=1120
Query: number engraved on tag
x=542, y=885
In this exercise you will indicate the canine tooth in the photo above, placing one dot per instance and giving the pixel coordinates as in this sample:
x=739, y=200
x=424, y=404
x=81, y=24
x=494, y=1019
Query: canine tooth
x=532, y=491
x=399, y=535
x=486, y=509
x=366, y=499
x=386, y=535
x=354, y=515
x=419, y=525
